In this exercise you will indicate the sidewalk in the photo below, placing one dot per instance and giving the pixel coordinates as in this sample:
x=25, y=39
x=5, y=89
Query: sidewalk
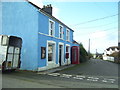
x=56, y=69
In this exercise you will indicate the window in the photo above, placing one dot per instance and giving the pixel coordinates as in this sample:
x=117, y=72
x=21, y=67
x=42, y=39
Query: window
x=43, y=52
x=4, y=40
x=51, y=28
x=68, y=35
x=50, y=52
x=60, y=31
x=68, y=51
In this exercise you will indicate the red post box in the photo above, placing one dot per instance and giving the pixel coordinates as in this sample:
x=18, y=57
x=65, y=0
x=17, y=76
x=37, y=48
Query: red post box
x=67, y=55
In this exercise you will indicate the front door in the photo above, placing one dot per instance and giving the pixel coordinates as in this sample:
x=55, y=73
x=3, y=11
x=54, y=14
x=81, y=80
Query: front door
x=60, y=54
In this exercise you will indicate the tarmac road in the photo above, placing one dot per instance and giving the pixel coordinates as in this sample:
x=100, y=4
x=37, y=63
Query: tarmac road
x=80, y=76
x=95, y=67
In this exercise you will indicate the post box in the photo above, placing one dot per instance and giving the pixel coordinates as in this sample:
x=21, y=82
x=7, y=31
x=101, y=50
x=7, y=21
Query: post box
x=67, y=55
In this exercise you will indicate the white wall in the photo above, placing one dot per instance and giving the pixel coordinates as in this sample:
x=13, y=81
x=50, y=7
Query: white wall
x=105, y=57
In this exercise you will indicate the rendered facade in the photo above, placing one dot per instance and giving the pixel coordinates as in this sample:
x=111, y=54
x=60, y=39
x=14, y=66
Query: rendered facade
x=46, y=40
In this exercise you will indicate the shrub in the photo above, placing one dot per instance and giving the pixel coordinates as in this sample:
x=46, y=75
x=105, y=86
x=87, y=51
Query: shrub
x=83, y=54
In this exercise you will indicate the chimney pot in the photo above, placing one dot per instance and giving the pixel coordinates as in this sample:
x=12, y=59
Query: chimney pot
x=47, y=9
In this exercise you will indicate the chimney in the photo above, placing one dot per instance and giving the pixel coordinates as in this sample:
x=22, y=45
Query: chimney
x=47, y=9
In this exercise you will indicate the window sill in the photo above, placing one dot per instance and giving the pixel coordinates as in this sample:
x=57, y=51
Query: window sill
x=67, y=40
x=51, y=36
x=51, y=62
x=61, y=38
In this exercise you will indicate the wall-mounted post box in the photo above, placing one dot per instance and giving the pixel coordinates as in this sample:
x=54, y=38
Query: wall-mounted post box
x=67, y=55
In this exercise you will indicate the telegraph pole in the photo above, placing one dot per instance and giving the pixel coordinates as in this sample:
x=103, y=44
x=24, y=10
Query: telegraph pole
x=96, y=53
x=89, y=47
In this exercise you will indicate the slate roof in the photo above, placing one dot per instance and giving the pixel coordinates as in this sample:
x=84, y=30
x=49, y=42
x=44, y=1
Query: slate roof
x=40, y=9
x=113, y=48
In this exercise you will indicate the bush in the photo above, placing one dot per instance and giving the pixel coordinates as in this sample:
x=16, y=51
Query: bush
x=83, y=54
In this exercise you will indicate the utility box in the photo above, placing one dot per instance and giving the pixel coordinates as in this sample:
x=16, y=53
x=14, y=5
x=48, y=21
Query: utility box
x=75, y=55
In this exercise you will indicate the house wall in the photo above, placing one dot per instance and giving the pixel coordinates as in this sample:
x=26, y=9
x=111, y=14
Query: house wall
x=44, y=37
x=109, y=58
x=0, y=17
x=21, y=19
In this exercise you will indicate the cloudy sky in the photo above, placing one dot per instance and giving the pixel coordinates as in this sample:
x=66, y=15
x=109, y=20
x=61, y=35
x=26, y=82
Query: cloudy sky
x=90, y=19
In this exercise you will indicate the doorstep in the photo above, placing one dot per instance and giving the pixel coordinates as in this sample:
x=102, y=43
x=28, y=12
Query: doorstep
x=55, y=69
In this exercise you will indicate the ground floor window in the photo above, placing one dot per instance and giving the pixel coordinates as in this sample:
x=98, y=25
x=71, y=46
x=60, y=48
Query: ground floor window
x=68, y=51
x=51, y=51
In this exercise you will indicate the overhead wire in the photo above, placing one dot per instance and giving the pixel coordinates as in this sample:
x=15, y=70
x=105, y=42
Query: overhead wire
x=97, y=25
x=95, y=20
x=82, y=34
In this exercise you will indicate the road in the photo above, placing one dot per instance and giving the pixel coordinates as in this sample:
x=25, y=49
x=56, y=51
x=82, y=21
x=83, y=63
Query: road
x=92, y=74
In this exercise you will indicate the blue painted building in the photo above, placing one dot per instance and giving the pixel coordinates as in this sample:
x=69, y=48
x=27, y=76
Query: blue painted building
x=46, y=40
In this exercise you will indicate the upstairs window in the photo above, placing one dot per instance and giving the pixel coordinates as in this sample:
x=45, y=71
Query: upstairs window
x=68, y=35
x=4, y=40
x=51, y=28
x=60, y=31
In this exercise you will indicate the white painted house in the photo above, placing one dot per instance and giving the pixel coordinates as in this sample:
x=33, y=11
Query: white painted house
x=108, y=52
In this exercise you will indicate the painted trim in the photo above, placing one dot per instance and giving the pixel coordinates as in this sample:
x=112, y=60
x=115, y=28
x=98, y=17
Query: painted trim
x=52, y=36
x=51, y=64
x=62, y=31
x=69, y=61
x=68, y=34
x=53, y=28
x=62, y=62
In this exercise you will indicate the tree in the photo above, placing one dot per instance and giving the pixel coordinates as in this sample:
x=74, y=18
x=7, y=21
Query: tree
x=83, y=53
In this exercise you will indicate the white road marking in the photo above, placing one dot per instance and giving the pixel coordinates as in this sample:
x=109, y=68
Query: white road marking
x=80, y=77
x=92, y=80
x=90, y=77
x=65, y=75
x=54, y=74
x=109, y=80
x=104, y=81
x=95, y=80
x=112, y=79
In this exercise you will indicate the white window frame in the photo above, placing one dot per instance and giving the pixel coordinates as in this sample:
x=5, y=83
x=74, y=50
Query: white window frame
x=4, y=40
x=54, y=51
x=67, y=35
x=53, y=30
x=60, y=33
x=69, y=62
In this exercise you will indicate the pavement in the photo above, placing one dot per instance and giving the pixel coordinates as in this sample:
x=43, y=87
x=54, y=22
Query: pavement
x=56, y=69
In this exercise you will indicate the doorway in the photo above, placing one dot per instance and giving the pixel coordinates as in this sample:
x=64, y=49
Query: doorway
x=61, y=53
